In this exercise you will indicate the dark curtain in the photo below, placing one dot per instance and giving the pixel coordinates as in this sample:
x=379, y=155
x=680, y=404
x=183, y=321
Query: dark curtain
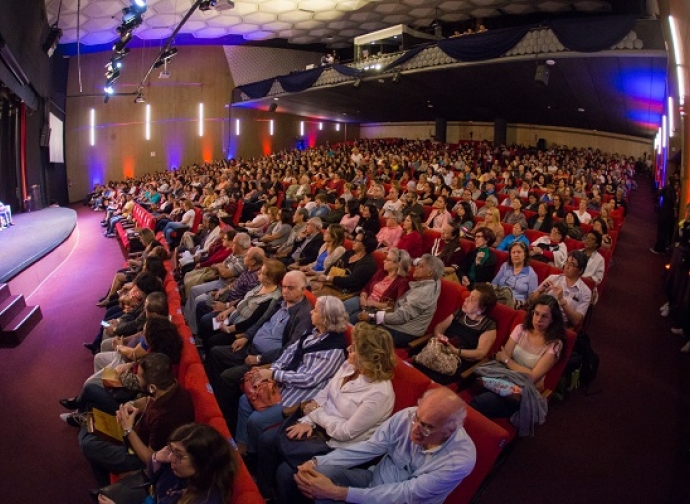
x=405, y=57
x=299, y=81
x=9, y=163
x=483, y=46
x=592, y=34
x=257, y=89
x=346, y=70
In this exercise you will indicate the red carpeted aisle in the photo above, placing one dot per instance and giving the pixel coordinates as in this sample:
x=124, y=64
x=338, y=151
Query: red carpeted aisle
x=40, y=460
x=629, y=442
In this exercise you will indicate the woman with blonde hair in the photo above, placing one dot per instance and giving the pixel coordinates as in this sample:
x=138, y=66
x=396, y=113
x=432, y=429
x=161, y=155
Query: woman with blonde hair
x=492, y=220
x=353, y=404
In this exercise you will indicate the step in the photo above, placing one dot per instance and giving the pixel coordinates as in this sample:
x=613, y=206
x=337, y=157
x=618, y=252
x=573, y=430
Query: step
x=9, y=309
x=21, y=326
x=4, y=291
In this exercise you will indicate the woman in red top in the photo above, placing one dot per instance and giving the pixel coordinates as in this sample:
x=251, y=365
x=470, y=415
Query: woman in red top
x=411, y=240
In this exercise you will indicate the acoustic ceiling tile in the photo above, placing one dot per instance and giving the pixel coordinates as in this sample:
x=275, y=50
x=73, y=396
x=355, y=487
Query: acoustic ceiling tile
x=242, y=29
x=259, y=18
x=155, y=33
x=209, y=33
x=278, y=6
x=259, y=35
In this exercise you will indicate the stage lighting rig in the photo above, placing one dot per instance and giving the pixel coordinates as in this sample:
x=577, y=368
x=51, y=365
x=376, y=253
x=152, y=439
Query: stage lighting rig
x=52, y=40
x=205, y=5
x=165, y=57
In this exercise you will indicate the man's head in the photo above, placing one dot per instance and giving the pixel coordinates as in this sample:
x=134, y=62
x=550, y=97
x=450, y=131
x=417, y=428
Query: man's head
x=254, y=258
x=439, y=413
x=156, y=304
x=314, y=225
x=300, y=216
x=241, y=243
x=293, y=286
x=428, y=267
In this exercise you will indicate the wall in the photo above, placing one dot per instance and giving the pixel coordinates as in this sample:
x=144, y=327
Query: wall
x=525, y=134
x=198, y=74
x=255, y=140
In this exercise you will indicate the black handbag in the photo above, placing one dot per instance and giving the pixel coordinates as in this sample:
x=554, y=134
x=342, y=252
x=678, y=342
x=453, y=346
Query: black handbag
x=132, y=489
x=297, y=451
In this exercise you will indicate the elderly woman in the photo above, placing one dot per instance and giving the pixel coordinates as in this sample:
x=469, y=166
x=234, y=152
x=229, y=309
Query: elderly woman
x=469, y=333
x=491, y=202
x=533, y=348
x=355, y=402
x=518, y=234
x=301, y=372
x=329, y=253
x=279, y=229
x=478, y=266
x=516, y=274
x=412, y=312
x=386, y=286
x=240, y=317
x=390, y=235
x=358, y=264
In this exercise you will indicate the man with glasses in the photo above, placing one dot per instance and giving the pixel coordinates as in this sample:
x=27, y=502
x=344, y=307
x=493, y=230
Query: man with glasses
x=426, y=454
x=283, y=323
x=572, y=294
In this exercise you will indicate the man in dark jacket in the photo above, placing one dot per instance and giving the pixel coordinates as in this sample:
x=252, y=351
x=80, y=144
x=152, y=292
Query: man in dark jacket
x=283, y=323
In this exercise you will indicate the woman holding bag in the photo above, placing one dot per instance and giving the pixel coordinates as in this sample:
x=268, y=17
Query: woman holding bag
x=355, y=402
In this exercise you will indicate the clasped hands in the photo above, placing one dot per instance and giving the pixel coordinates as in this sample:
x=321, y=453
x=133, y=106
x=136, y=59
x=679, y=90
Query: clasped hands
x=315, y=485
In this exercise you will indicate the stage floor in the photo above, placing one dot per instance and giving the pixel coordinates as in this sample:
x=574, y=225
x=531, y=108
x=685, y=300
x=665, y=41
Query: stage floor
x=34, y=235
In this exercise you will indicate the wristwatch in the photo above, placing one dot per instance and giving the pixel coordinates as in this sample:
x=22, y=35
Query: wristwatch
x=506, y=361
x=126, y=432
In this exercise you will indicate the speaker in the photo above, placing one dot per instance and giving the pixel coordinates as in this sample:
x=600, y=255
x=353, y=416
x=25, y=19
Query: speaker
x=541, y=77
x=272, y=107
x=44, y=141
x=541, y=144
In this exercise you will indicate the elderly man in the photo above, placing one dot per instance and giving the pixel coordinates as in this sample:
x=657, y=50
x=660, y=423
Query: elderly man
x=415, y=309
x=425, y=453
x=307, y=246
x=282, y=324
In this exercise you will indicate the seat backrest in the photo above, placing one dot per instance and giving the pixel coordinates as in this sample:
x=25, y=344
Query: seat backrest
x=408, y=384
x=489, y=440
x=554, y=374
x=505, y=321
x=451, y=298
x=198, y=216
x=428, y=238
x=310, y=297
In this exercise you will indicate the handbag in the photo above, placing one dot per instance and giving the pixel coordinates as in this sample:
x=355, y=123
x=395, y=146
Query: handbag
x=261, y=394
x=504, y=295
x=437, y=357
x=297, y=451
x=132, y=489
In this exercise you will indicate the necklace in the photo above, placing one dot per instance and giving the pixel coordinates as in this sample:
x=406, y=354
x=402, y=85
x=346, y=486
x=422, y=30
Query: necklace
x=477, y=322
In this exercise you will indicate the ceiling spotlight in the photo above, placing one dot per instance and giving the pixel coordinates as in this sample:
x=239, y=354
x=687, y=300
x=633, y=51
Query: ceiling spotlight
x=112, y=73
x=550, y=62
x=580, y=110
x=119, y=47
x=52, y=40
x=141, y=4
x=109, y=89
x=205, y=5
x=140, y=99
x=111, y=78
x=165, y=57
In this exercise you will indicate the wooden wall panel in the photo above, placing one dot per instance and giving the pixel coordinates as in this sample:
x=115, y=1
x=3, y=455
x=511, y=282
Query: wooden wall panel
x=198, y=74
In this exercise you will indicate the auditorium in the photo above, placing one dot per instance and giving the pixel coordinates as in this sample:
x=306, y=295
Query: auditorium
x=391, y=251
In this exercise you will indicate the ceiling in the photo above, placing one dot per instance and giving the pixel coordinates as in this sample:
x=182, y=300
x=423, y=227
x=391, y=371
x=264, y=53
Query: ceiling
x=331, y=22
x=621, y=94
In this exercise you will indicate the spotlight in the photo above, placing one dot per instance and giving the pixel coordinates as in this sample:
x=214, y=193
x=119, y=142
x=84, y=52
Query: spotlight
x=205, y=5
x=541, y=77
x=52, y=40
x=109, y=89
x=110, y=78
x=140, y=99
x=272, y=107
x=165, y=57
x=119, y=47
x=139, y=4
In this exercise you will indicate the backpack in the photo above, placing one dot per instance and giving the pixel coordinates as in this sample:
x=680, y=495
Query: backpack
x=581, y=369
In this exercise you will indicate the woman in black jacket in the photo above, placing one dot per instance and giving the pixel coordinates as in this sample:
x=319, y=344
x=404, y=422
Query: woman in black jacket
x=358, y=263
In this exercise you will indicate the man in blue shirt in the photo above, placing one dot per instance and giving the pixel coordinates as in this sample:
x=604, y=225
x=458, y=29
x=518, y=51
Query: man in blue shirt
x=426, y=454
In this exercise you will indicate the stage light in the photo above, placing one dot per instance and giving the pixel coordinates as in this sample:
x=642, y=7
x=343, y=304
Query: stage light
x=112, y=77
x=109, y=89
x=337, y=126
x=320, y=126
x=140, y=99
x=396, y=77
x=52, y=40
x=301, y=128
x=270, y=127
x=141, y=4
x=165, y=57
x=148, y=121
x=119, y=47
x=201, y=119
x=671, y=114
x=92, y=129
x=205, y=5
x=237, y=127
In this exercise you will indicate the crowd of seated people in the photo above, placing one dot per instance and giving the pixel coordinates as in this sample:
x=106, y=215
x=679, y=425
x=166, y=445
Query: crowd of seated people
x=373, y=229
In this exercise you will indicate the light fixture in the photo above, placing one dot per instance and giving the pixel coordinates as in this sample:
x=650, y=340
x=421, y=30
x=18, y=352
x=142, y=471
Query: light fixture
x=140, y=98
x=580, y=110
x=270, y=127
x=237, y=127
x=201, y=119
x=357, y=83
x=550, y=62
x=165, y=57
x=92, y=129
x=681, y=85
x=671, y=114
x=396, y=77
x=337, y=126
x=205, y=5
x=301, y=128
x=664, y=131
x=52, y=40
x=119, y=47
x=320, y=126
x=148, y=120
x=111, y=77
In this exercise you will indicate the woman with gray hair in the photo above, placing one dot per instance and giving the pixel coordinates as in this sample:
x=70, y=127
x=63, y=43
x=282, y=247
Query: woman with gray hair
x=412, y=313
x=301, y=372
x=385, y=287
x=389, y=235
x=491, y=202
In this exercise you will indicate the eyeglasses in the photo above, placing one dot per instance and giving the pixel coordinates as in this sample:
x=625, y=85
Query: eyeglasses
x=478, y=236
x=424, y=428
x=177, y=454
x=574, y=264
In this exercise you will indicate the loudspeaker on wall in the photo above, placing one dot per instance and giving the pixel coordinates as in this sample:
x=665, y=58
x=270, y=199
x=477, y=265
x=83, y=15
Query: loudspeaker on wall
x=541, y=77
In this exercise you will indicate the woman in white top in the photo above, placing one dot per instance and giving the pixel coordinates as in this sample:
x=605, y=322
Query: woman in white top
x=534, y=347
x=348, y=410
x=582, y=213
x=187, y=222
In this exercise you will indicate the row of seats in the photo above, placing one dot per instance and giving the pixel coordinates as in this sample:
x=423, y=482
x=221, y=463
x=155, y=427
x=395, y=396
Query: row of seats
x=142, y=219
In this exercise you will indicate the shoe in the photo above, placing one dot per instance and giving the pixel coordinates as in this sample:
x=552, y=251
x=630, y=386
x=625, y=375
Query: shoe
x=69, y=403
x=677, y=330
x=91, y=348
x=110, y=235
x=75, y=419
x=654, y=251
x=102, y=304
x=686, y=348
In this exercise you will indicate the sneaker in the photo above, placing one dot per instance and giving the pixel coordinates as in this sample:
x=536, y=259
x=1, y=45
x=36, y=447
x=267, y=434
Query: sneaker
x=75, y=419
x=677, y=331
x=686, y=348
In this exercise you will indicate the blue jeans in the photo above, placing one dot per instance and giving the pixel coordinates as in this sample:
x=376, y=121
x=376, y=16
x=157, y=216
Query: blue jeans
x=342, y=476
x=492, y=405
x=170, y=228
x=251, y=424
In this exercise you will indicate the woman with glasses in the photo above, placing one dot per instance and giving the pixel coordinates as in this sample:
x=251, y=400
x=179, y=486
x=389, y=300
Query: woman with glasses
x=196, y=466
x=571, y=293
x=358, y=264
x=533, y=348
x=479, y=265
x=516, y=273
x=385, y=287
x=353, y=404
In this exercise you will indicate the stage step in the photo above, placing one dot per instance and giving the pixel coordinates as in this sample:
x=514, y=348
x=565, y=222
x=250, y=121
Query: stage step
x=4, y=291
x=9, y=309
x=21, y=326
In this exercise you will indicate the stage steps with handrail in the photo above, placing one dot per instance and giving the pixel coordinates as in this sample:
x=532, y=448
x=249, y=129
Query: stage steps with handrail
x=16, y=318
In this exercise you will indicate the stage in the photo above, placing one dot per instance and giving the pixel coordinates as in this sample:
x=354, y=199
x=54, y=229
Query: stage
x=33, y=236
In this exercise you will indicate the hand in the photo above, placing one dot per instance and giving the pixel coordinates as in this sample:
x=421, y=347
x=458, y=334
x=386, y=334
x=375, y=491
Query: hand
x=102, y=499
x=315, y=485
x=164, y=455
x=501, y=355
x=317, y=286
x=239, y=344
x=322, y=278
x=124, y=351
x=545, y=286
x=265, y=374
x=126, y=415
x=117, y=341
x=299, y=430
x=218, y=306
x=363, y=316
x=465, y=281
x=309, y=406
x=251, y=360
x=121, y=368
x=535, y=251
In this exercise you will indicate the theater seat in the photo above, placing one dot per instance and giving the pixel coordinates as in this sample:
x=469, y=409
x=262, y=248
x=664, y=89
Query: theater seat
x=409, y=384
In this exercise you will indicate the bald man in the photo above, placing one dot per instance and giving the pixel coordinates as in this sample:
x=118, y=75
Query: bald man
x=427, y=454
